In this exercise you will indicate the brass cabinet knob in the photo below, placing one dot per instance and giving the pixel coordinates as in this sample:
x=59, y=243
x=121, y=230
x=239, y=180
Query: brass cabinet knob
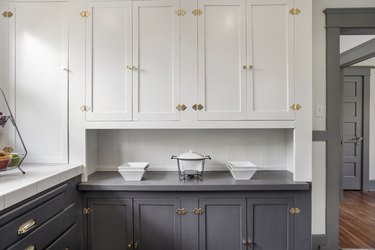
x=198, y=211
x=250, y=243
x=136, y=245
x=195, y=107
x=247, y=66
x=181, y=211
x=295, y=106
x=129, y=67
x=134, y=68
x=250, y=66
x=178, y=107
x=130, y=245
x=183, y=107
x=200, y=107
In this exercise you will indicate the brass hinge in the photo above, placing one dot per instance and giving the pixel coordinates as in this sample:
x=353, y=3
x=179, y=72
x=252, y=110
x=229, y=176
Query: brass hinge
x=84, y=14
x=181, y=211
x=295, y=11
x=85, y=108
x=7, y=14
x=198, y=211
x=295, y=210
x=295, y=106
x=180, y=12
x=197, y=12
x=87, y=211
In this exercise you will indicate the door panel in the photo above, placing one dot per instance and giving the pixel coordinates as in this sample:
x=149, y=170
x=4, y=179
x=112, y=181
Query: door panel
x=223, y=224
x=221, y=51
x=156, y=224
x=270, y=43
x=109, y=53
x=352, y=129
x=156, y=56
x=110, y=226
x=39, y=78
x=270, y=224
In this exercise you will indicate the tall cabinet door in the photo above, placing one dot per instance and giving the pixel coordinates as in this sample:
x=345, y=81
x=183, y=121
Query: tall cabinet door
x=222, y=225
x=221, y=57
x=110, y=224
x=270, y=56
x=156, y=59
x=39, y=78
x=109, y=61
x=156, y=224
x=270, y=223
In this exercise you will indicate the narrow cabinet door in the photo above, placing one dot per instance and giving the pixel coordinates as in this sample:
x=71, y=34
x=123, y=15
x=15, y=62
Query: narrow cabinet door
x=110, y=224
x=221, y=53
x=109, y=61
x=156, y=59
x=38, y=50
x=270, y=224
x=157, y=226
x=270, y=58
x=222, y=224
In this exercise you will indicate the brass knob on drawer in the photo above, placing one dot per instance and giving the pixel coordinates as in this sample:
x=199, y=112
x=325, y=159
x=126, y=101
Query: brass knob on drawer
x=183, y=107
x=195, y=107
x=181, y=211
x=198, y=211
x=25, y=227
x=200, y=107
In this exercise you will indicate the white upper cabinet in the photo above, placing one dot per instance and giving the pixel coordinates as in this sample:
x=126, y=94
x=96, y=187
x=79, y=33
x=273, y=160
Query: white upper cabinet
x=222, y=54
x=156, y=69
x=39, y=78
x=108, y=59
x=270, y=59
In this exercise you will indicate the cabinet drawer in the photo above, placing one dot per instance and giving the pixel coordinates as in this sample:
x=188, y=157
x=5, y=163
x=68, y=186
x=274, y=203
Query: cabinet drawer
x=29, y=222
x=44, y=235
x=67, y=241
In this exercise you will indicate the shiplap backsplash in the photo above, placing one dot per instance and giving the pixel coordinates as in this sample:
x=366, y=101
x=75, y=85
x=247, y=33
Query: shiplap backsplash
x=268, y=149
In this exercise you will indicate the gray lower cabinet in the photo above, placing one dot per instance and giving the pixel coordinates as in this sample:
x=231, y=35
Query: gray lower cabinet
x=157, y=226
x=110, y=224
x=222, y=224
x=50, y=220
x=270, y=223
x=199, y=221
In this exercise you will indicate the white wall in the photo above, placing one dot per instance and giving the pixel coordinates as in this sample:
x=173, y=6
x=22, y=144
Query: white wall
x=268, y=149
x=319, y=97
x=351, y=41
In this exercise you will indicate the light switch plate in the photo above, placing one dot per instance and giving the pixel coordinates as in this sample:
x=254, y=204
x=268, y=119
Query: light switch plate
x=320, y=110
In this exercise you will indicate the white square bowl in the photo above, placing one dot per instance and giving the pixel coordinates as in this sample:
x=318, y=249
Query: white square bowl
x=243, y=174
x=134, y=165
x=132, y=174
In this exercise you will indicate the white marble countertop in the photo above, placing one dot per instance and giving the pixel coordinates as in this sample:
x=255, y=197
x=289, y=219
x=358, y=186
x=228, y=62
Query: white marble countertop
x=16, y=187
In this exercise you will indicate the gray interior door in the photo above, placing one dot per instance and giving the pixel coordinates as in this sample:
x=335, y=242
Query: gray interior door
x=352, y=132
x=270, y=224
x=110, y=226
x=156, y=224
x=222, y=225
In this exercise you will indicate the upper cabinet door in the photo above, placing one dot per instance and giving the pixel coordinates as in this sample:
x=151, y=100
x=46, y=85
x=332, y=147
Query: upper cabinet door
x=221, y=57
x=39, y=78
x=270, y=55
x=109, y=61
x=156, y=80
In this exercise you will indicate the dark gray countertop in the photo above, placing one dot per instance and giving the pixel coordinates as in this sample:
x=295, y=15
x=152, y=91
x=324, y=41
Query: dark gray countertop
x=213, y=181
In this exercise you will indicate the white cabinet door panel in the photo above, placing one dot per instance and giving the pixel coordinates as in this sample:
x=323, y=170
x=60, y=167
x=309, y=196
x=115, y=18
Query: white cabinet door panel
x=221, y=49
x=270, y=36
x=39, y=83
x=109, y=53
x=156, y=56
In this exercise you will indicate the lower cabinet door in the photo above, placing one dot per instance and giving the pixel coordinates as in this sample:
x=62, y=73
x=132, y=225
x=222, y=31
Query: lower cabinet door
x=157, y=226
x=110, y=225
x=222, y=224
x=270, y=224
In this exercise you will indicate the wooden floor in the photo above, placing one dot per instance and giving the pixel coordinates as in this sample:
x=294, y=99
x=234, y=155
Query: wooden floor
x=357, y=220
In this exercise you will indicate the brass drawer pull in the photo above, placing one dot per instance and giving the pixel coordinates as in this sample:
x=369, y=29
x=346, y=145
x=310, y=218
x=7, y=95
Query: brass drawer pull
x=31, y=247
x=27, y=226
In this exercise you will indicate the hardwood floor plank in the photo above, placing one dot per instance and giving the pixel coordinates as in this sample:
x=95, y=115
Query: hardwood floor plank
x=357, y=220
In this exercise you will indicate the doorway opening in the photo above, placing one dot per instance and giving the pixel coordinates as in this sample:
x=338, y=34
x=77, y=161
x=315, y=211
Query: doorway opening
x=347, y=163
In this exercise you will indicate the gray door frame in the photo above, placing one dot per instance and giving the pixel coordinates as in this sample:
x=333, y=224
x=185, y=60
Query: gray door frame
x=337, y=21
x=364, y=72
